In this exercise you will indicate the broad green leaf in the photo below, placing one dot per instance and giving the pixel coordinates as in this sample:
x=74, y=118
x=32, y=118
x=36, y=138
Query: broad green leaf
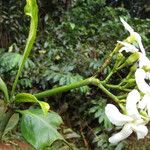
x=13, y=121
x=40, y=130
x=26, y=97
x=4, y=89
x=31, y=9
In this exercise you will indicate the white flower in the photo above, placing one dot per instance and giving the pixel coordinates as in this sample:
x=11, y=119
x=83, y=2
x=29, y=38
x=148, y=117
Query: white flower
x=144, y=104
x=134, y=35
x=131, y=104
x=140, y=76
x=143, y=61
x=130, y=122
x=127, y=47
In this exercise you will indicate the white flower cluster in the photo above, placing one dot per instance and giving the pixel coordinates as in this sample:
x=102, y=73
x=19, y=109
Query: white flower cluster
x=137, y=101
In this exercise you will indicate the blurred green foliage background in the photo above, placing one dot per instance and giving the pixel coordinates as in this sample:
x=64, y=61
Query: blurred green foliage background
x=74, y=37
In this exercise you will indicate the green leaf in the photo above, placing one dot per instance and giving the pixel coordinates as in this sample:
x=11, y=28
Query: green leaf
x=4, y=89
x=9, y=61
x=13, y=121
x=31, y=9
x=26, y=97
x=40, y=130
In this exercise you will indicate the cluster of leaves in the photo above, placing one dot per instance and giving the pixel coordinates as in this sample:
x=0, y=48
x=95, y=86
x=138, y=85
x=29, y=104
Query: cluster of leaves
x=66, y=51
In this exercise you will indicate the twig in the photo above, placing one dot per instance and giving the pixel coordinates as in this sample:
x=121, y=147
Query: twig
x=84, y=139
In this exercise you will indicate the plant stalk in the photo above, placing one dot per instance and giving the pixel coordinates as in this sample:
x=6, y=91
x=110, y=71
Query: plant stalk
x=91, y=80
x=112, y=96
x=33, y=13
x=108, y=59
x=65, y=88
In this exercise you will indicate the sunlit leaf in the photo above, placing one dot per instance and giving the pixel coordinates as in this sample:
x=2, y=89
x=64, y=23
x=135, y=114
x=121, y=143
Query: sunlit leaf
x=40, y=130
x=26, y=97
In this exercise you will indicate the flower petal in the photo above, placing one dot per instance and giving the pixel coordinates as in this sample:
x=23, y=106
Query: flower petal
x=141, y=47
x=143, y=61
x=143, y=103
x=133, y=34
x=127, y=47
x=115, y=116
x=123, y=134
x=131, y=104
x=141, y=131
x=127, y=26
x=148, y=109
x=140, y=76
x=147, y=75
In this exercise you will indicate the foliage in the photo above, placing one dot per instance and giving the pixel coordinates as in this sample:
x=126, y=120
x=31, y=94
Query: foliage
x=47, y=121
x=71, y=45
x=46, y=125
x=9, y=63
x=98, y=111
x=12, y=19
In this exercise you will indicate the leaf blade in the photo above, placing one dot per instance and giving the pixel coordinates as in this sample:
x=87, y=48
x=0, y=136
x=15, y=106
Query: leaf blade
x=31, y=9
x=40, y=130
x=26, y=97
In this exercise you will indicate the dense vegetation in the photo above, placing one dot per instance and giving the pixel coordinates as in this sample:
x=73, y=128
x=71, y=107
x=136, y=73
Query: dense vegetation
x=73, y=39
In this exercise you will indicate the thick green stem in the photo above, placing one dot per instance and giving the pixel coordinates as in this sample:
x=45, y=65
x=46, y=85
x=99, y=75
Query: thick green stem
x=91, y=80
x=65, y=88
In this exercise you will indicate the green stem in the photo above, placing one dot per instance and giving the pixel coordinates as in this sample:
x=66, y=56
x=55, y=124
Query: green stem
x=122, y=96
x=65, y=88
x=32, y=11
x=91, y=80
x=117, y=87
x=112, y=96
x=109, y=76
x=108, y=59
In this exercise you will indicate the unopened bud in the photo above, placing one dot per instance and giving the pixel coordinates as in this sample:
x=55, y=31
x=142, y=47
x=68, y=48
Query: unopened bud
x=131, y=39
x=146, y=68
x=132, y=58
x=133, y=68
x=120, y=56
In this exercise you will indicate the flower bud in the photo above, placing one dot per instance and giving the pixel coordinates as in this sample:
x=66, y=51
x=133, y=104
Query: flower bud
x=133, y=68
x=120, y=56
x=146, y=68
x=119, y=60
x=132, y=58
x=131, y=39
